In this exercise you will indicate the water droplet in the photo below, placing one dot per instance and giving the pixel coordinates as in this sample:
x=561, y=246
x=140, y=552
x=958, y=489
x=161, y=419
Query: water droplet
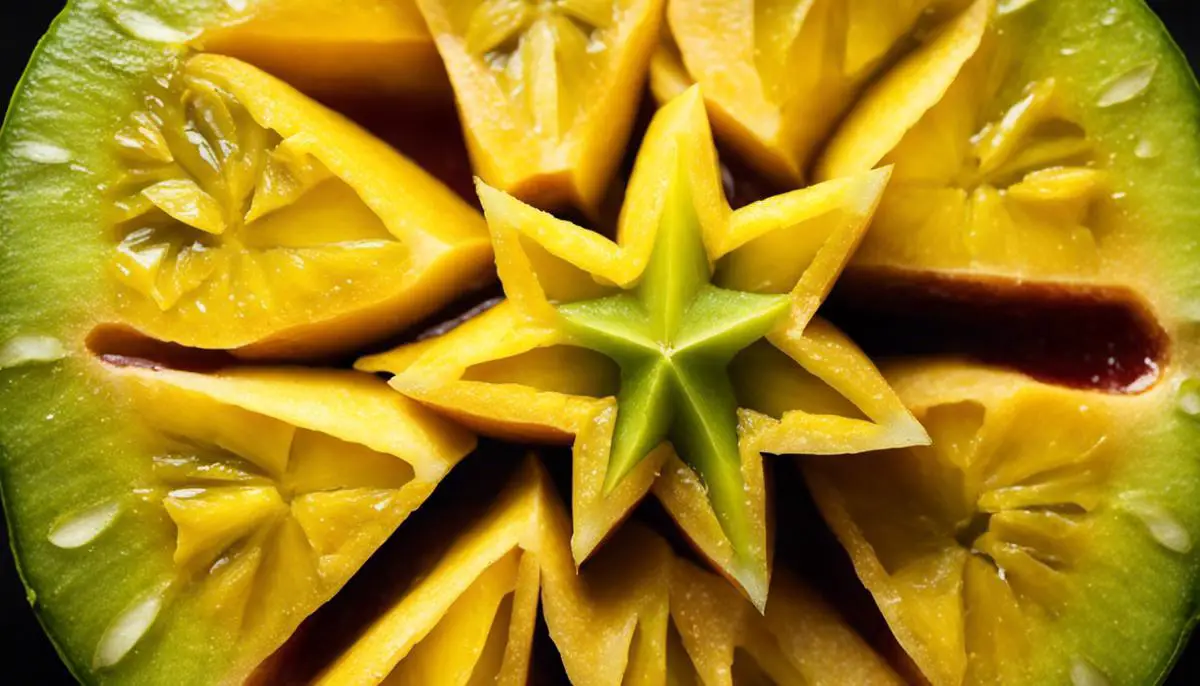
x=1084, y=673
x=124, y=632
x=1067, y=52
x=1127, y=86
x=1163, y=526
x=24, y=350
x=1007, y=6
x=236, y=5
x=1146, y=149
x=1110, y=17
x=184, y=493
x=150, y=28
x=1188, y=399
x=80, y=529
x=42, y=153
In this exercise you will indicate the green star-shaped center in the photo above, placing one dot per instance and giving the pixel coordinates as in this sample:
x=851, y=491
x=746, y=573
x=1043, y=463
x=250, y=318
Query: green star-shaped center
x=673, y=337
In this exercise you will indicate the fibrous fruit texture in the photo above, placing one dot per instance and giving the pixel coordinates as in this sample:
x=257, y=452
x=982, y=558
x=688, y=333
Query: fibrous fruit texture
x=604, y=342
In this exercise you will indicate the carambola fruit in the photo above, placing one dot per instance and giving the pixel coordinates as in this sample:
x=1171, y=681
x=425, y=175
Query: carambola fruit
x=890, y=305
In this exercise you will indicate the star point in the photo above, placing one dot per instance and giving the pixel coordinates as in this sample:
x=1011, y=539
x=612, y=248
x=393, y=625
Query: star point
x=668, y=309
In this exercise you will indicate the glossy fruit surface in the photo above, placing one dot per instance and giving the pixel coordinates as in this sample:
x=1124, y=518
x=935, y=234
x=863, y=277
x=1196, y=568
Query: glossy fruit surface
x=251, y=434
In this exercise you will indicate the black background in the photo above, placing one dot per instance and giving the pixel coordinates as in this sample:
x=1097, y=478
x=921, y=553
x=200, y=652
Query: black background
x=26, y=657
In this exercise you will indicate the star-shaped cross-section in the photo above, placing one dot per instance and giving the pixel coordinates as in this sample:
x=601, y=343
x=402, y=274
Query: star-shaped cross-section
x=677, y=355
x=673, y=338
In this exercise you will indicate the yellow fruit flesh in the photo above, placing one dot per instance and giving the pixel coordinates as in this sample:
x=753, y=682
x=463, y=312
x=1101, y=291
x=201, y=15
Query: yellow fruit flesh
x=348, y=46
x=251, y=218
x=546, y=90
x=777, y=74
x=974, y=546
x=1015, y=187
x=278, y=485
x=637, y=615
x=471, y=373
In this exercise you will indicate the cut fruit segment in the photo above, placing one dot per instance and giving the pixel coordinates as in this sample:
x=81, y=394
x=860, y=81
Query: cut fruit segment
x=777, y=75
x=618, y=621
x=276, y=486
x=997, y=553
x=671, y=324
x=547, y=89
x=242, y=202
x=1037, y=175
x=799, y=640
x=382, y=48
x=1015, y=191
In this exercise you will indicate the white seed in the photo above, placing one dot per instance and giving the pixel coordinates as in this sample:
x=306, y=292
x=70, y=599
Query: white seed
x=80, y=529
x=1008, y=6
x=42, y=153
x=1163, y=526
x=150, y=28
x=1084, y=673
x=124, y=632
x=24, y=350
x=1127, y=86
x=1146, y=149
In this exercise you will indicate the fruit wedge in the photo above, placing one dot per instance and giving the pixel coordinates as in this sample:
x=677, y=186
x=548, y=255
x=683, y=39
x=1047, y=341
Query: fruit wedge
x=777, y=75
x=211, y=513
x=1042, y=534
x=1052, y=162
x=350, y=48
x=641, y=616
x=546, y=89
x=246, y=216
x=541, y=365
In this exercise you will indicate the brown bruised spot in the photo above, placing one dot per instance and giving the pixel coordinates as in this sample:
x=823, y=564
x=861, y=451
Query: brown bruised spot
x=1082, y=336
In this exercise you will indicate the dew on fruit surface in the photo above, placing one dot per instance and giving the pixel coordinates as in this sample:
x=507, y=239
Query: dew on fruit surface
x=1188, y=398
x=1067, y=52
x=184, y=493
x=41, y=152
x=1146, y=149
x=25, y=350
x=80, y=529
x=1084, y=673
x=150, y=28
x=1007, y=6
x=236, y=5
x=1164, y=528
x=1127, y=86
x=127, y=629
x=1110, y=17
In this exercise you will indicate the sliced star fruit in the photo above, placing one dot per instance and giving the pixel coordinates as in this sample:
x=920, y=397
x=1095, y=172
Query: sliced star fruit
x=1043, y=533
x=242, y=202
x=1050, y=165
x=546, y=89
x=641, y=616
x=165, y=533
x=668, y=334
x=348, y=47
x=777, y=75
x=225, y=509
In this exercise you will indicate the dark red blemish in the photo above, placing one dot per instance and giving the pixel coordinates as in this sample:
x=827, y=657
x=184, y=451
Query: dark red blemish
x=1095, y=337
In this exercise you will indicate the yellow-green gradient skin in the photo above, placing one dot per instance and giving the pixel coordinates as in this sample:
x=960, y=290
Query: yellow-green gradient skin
x=69, y=441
